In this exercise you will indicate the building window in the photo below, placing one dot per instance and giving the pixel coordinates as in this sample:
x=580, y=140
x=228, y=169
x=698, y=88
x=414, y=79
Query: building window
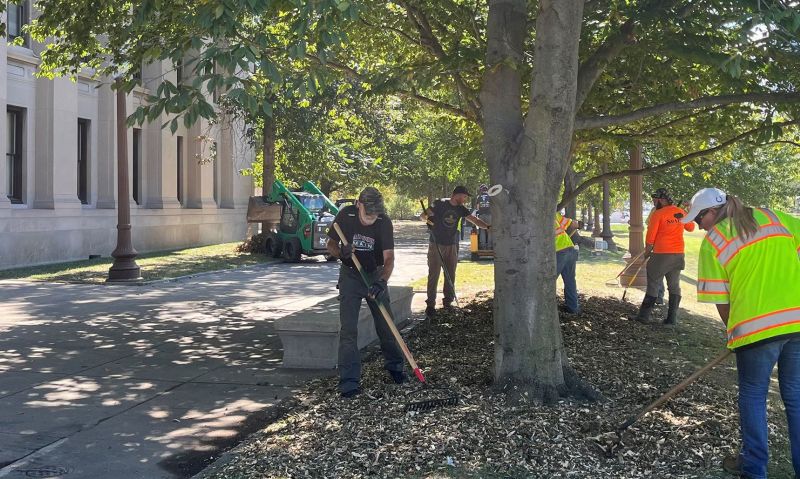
x=15, y=118
x=180, y=169
x=137, y=165
x=83, y=160
x=17, y=19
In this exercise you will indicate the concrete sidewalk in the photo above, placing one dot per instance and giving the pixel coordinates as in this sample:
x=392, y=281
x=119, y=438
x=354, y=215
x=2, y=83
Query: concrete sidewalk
x=151, y=381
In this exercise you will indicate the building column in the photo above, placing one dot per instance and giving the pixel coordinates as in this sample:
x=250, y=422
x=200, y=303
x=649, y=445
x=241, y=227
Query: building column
x=56, y=136
x=243, y=157
x=5, y=204
x=199, y=170
x=159, y=162
x=106, y=147
x=226, y=166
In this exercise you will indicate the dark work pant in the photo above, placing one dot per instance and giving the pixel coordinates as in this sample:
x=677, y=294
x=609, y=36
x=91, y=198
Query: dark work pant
x=566, y=261
x=661, y=265
x=352, y=291
x=435, y=265
x=485, y=236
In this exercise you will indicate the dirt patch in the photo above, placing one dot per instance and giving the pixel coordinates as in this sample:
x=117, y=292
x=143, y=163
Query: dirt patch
x=486, y=436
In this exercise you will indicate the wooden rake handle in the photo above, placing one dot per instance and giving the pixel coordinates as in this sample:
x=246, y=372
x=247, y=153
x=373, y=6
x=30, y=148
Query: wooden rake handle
x=675, y=390
x=386, y=316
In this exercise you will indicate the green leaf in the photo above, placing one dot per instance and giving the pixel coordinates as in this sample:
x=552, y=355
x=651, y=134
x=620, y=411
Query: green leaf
x=220, y=10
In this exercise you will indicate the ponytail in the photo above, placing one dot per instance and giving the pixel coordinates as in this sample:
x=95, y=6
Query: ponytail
x=741, y=217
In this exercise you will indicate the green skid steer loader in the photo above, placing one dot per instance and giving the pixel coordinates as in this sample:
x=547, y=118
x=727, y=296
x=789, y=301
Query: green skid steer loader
x=306, y=216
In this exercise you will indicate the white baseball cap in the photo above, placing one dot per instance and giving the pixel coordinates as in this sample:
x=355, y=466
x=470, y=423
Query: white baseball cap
x=704, y=199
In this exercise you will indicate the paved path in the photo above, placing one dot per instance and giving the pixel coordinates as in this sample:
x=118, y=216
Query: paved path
x=146, y=382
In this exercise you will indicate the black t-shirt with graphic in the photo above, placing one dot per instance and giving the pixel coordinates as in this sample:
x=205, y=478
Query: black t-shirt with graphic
x=445, y=221
x=369, y=242
x=482, y=204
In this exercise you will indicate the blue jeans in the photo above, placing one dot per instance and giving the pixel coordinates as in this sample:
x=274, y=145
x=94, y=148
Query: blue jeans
x=566, y=259
x=755, y=368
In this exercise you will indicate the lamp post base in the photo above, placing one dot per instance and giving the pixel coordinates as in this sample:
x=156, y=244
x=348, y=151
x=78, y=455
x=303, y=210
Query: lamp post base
x=124, y=270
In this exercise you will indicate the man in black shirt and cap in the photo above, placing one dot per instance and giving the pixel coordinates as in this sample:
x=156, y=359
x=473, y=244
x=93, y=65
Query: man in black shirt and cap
x=445, y=214
x=370, y=238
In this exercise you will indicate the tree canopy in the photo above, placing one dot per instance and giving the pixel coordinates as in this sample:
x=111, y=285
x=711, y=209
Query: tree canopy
x=534, y=86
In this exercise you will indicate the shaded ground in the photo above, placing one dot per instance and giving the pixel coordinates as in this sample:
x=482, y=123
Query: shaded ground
x=632, y=364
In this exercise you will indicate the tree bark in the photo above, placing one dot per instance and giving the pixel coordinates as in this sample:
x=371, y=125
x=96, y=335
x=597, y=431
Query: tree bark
x=596, y=232
x=529, y=158
x=607, y=235
x=268, y=162
x=570, y=182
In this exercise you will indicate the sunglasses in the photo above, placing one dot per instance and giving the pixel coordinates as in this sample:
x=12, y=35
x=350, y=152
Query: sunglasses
x=699, y=218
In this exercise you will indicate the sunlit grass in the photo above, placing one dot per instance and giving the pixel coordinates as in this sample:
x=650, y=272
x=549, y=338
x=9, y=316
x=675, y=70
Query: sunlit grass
x=160, y=265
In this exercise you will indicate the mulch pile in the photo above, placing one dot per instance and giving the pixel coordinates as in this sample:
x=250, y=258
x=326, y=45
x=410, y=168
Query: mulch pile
x=488, y=436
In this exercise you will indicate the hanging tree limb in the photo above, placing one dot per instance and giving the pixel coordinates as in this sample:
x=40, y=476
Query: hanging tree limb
x=624, y=173
x=586, y=123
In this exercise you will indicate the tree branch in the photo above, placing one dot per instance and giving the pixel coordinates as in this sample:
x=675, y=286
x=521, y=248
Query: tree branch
x=590, y=70
x=587, y=123
x=623, y=173
x=787, y=142
x=396, y=30
x=431, y=42
x=411, y=95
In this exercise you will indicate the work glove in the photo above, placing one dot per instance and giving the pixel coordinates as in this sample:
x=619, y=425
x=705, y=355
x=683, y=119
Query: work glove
x=346, y=251
x=378, y=289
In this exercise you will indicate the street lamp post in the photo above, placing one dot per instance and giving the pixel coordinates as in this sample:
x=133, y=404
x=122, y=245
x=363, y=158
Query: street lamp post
x=636, y=236
x=124, y=267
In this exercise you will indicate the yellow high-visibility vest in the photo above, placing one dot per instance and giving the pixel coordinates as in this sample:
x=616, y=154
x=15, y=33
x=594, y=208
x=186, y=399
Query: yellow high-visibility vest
x=759, y=277
x=563, y=241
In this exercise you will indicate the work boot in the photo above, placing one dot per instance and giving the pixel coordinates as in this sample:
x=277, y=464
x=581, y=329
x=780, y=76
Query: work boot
x=672, y=312
x=351, y=393
x=646, y=309
x=399, y=377
x=733, y=465
x=430, y=311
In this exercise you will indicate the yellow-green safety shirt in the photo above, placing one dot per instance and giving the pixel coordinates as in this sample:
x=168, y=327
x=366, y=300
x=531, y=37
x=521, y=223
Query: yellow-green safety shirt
x=563, y=241
x=759, y=277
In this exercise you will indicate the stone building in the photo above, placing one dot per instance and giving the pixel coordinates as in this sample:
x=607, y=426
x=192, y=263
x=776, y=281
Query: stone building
x=58, y=181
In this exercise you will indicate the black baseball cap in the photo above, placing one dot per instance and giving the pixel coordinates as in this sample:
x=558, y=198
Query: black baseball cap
x=461, y=190
x=372, y=199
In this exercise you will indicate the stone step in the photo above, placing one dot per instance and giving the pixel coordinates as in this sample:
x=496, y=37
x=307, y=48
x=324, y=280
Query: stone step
x=311, y=337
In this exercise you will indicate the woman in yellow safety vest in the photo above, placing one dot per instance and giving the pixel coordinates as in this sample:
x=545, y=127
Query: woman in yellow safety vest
x=750, y=268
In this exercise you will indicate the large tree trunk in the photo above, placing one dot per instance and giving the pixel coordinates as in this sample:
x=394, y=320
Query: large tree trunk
x=529, y=158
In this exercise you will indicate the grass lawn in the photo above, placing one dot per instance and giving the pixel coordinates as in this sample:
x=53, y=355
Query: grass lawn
x=155, y=266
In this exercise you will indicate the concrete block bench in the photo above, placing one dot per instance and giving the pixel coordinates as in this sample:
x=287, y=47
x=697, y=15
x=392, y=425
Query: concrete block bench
x=311, y=337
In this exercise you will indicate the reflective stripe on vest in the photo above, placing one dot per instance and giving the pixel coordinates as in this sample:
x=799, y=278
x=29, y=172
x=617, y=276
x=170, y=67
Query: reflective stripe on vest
x=773, y=218
x=713, y=286
x=561, y=227
x=762, y=323
x=716, y=238
x=727, y=249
